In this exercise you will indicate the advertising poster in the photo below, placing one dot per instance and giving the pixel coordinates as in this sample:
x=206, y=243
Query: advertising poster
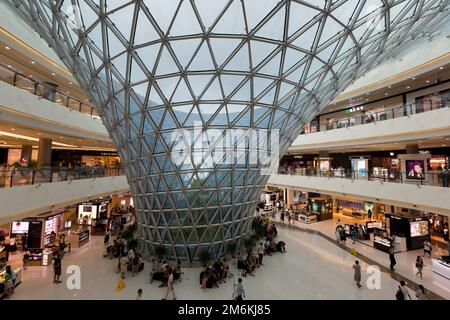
x=415, y=169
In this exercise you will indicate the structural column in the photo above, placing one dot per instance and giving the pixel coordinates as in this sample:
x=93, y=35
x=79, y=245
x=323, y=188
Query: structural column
x=45, y=153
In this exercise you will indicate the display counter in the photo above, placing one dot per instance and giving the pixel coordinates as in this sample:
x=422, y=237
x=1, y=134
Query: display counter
x=307, y=217
x=441, y=266
x=79, y=238
x=350, y=212
x=400, y=244
x=17, y=275
x=381, y=243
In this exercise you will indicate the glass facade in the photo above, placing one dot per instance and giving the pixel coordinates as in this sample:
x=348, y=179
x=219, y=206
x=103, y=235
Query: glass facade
x=153, y=67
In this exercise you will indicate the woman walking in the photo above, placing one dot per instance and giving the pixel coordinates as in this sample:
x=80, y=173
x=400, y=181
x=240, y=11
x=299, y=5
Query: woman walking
x=419, y=266
x=357, y=274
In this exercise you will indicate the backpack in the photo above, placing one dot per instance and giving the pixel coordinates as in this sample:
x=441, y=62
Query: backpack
x=399, y=295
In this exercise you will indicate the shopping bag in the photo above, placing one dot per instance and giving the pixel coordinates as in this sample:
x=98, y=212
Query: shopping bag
x=120, y=285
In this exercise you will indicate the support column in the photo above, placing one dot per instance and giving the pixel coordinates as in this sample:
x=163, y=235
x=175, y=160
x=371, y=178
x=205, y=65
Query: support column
x=27, y=149
x=45, y=153
x=412, y=149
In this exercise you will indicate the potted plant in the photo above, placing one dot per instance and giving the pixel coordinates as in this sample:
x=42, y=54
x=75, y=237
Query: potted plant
x=231, y=249
x=160, y=251
x=205, y=257
x=249, y=243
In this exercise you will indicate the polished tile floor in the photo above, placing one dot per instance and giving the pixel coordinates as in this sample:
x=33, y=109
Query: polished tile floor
x=312, y=268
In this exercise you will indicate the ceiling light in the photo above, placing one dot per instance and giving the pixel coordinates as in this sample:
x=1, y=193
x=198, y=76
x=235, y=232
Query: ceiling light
x=13, y=129
x=428, y=81
x=70, y=82
x=389, y=87
x=443, y=145
x=441, y=68
x=32, y=62
x=53, y=73
x=67, y=92
x=408, y=87
x=367, y=94
x=61, y=137
x=7, y=48
x=31, y=76
x=367, y=99
x=414, y=78
x=386, y=94
x=9, y=66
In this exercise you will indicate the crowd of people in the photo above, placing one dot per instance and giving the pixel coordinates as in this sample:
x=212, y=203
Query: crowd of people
x=214, y=275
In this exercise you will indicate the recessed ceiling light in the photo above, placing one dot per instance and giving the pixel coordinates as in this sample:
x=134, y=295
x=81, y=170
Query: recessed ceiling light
x=389, y=87
x=367, y=99
x=61, y=137
x=386, y=94
x=13, y=129
x=367, y=94
x=7, y=48
x=70, y=82
x=420, y=141
x=67, y=92
x=31, y=76
x=428, y=81
x=414, y=78
x=32, y=62
x=443, y=145
x=441, y=68
x=53, y=73
x=9, y=66
x=408, y=87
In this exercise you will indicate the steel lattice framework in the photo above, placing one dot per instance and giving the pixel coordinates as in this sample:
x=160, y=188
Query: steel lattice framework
x=154, y=66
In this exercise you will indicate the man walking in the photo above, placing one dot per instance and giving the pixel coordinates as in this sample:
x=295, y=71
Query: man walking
x=170, y=286
x=392, y=257
x=260, y=254
x=57, y=268
x=240, y=293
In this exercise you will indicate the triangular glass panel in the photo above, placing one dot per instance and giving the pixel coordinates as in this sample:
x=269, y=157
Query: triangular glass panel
x=162, y=12
x=167, y=85
x=306, y=39
x=269, y=96
x=300, y=15
x=257, y=10
x=166, y=64
x=230, y=82
x=222, y=48
x=202, y=60
x=182, y=92
x=274, y=27
x=243, y=94
x=198, y=83
x=121, y=20
x=150, y=33
x=260, y=50
x=137, y=74
x=181, y=112
x=209, y=10
x=272, y=67
x=115, y=46
x=260, y=84
x=214, y=91
x=148, y=56
x=184, y=49
x=232, y=21
x=240, y=61
x=185, y=21
x=292, y=57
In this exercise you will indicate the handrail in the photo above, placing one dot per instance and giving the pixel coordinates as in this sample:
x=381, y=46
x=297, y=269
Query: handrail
x=438, y=178
x=46, y=91
x=13, y=177
x=372, y=117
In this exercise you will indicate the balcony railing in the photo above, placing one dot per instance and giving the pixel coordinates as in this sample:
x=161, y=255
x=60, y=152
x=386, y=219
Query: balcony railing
x=371, y=117
x=433, y=178
x=44, y=90
x=13, y=177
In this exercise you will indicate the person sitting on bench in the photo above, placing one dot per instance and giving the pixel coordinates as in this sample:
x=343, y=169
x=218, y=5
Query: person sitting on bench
x=281, y=246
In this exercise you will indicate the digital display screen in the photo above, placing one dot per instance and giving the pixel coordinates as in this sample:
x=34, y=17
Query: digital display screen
x=415, y=169
x=20, y=227
x=419, y=228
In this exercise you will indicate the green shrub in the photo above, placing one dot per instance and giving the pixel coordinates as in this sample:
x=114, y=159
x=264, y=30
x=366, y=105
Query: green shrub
x=205, y=257
x=160, y=251
x=231, y=248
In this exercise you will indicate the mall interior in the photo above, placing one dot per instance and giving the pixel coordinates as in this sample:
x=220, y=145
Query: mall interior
x=350, y=100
